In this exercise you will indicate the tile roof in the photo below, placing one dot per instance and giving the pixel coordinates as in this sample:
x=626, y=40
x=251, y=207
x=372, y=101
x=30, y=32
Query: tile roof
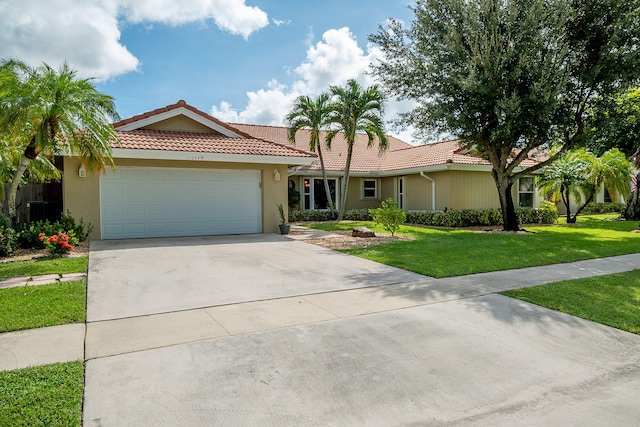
x=399, y=156
x=145, y=139
x=273, y=141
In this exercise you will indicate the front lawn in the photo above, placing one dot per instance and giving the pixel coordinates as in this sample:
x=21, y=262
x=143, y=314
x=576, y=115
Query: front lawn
x=48, y=396
x=611, y=300
x=43, y=266
x=440, y=252
x=28, y=307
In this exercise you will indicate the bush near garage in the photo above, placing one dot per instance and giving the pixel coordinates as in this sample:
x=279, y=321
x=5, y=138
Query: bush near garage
x=29, y=234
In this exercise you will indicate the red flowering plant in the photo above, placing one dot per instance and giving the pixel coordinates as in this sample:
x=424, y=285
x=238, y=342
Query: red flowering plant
x=59, y=244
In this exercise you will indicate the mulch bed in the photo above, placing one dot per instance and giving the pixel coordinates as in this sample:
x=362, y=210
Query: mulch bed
x=31, y=254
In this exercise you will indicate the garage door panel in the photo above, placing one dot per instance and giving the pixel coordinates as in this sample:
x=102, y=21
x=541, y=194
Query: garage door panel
x=156, y=202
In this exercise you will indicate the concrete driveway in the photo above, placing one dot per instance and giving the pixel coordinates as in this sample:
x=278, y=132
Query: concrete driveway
x=129, y=278
x=430, y=353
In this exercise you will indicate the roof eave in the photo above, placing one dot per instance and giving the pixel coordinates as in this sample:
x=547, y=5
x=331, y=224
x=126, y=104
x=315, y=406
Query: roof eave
x=128, y=153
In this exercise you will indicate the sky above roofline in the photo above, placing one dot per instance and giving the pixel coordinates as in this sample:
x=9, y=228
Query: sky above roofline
x=238, y=60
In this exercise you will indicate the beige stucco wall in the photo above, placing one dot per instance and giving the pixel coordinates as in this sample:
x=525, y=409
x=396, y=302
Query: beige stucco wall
x=473, y=190
x=355, y=199
x=181, y=124
x=82, y=195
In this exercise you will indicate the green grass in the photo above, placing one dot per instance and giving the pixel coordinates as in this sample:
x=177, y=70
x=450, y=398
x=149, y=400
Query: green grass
x=48, y=396
x=440, y=252
x=43, y=266
x=611, y=300
x=29, y=307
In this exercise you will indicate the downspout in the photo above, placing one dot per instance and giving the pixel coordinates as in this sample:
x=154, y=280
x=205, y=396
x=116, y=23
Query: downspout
x=433, y=190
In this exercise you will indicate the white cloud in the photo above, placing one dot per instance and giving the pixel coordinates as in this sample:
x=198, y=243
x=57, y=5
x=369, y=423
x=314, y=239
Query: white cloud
x=279, y=22
x=87, y=33
x=332, y=61
x=53, y=31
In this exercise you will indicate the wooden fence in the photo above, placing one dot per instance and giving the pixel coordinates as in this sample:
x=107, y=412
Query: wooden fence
x=37, y=201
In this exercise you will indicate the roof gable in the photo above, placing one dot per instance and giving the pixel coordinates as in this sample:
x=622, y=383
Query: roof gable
x=179, y=131
x=175, y=117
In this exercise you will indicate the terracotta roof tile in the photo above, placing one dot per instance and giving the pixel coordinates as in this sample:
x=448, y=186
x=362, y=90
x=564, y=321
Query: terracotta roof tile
x=144, y=139
x=399, y=156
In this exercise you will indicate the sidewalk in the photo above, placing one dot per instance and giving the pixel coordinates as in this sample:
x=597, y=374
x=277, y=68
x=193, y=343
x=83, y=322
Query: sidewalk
x=106, y=338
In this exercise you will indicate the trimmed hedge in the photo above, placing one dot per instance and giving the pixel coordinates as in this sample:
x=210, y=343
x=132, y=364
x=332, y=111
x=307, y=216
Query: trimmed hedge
x=603, y=207
x=452, y=218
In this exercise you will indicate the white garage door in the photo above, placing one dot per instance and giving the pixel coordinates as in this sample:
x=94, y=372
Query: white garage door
x=162, y=202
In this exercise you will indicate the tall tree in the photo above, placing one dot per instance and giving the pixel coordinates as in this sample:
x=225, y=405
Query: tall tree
x=51, y=112
x=510, y=77
x=615, y=122
x=312, y=114
x=355, y=110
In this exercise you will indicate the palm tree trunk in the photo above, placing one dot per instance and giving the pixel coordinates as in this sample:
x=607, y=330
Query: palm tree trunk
x=13, y=188
x=345, y=182
x=326, y=183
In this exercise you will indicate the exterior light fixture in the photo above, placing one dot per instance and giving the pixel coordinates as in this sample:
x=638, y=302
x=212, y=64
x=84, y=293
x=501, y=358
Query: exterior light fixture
x=276, y=175
x=82, y=172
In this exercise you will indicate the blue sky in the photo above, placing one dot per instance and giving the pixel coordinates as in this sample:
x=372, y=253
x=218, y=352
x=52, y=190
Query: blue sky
x=240, y=60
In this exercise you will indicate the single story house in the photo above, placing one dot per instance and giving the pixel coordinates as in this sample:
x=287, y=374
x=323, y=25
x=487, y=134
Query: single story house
x=180, y=172
x=437, y=176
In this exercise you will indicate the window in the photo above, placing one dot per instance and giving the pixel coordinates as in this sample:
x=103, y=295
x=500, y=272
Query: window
x=525, y=192
x=401, y=192
x=314, y=195
x=370, y=188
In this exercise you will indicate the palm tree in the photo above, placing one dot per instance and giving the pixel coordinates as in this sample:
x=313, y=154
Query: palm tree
x=581, y=174
x=311, y=114
x=50, y=112
x=612, y=170
x=563, y=179
x=355, y=110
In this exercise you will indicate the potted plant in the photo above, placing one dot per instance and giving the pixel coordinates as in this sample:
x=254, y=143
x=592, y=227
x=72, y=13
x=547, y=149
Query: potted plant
x=284, y=227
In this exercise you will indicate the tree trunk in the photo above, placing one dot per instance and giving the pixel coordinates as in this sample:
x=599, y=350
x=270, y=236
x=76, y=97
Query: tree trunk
x=13, y=188
x=326, y=183
x=509, y=217
x=566, y=199
x=345, y=182
x=632, y=210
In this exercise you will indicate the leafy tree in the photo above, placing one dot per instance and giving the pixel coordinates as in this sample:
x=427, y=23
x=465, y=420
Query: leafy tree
x=615, y=122
x=355, y=110
x=509, y=77
x=580, y=174
x=312, y=114
x=49, y=112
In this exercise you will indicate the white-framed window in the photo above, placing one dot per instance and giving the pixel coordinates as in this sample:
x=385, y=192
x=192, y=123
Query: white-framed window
x=526, y=188
x=400, y=192
x=369, y=188
x=314, y=195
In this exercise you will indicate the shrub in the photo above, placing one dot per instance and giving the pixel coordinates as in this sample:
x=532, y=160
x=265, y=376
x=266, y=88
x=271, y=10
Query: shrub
x=481, y=217
x=29, y=234
x=60, y=243
x=358, y=215
x=602, y=207
x=8, y=237
x=315, y=215
x=388, y=216
x=67, y=224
